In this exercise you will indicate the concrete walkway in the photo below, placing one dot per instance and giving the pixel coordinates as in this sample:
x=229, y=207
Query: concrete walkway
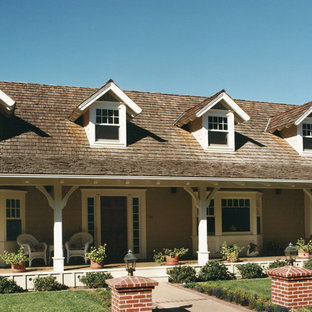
x=174, y=298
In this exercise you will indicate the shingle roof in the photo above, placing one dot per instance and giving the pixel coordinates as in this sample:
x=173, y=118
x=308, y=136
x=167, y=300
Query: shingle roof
x=288, y=118
x=40, y=139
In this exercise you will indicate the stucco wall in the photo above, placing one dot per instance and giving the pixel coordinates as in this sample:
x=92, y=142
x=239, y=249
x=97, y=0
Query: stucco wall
x=283, y=217
x=168, y=219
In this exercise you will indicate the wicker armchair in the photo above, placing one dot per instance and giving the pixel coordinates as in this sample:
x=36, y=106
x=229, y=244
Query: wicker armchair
x=78, y=245
x=32, y=247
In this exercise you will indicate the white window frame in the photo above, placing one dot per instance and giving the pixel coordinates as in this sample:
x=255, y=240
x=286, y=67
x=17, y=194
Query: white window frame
x=129, y=194
x=11, y=194
x=301, y=136
x=230, y=146
x=90, y=129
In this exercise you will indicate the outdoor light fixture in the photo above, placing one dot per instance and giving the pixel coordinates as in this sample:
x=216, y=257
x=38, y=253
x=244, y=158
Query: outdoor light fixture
x=290, y=253
x=130, y=261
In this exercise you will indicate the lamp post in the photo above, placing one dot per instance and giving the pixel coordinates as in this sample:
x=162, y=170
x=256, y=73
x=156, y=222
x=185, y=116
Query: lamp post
x=290, y=253
x=130, y=261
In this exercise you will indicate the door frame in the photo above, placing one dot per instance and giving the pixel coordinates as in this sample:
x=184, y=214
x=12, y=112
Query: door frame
x=129, y=194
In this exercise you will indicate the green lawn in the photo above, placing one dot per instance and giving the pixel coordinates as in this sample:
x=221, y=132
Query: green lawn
x=260, y=286
x=60, y=301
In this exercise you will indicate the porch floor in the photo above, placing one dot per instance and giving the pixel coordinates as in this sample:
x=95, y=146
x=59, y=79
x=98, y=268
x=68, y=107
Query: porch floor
x=144, y=264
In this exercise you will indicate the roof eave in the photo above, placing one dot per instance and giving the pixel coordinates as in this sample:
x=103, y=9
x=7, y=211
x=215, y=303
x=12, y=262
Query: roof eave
x=7, y=104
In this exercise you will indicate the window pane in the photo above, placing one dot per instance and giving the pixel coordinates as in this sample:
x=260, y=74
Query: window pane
x=211, y=225
x=14, y=228
x=307, y=143
x=106, y=133
x=235, y=215
x=219, y=138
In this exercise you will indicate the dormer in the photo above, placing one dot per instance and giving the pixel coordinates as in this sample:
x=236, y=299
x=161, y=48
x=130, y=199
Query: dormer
x=295, y=126
x=7, y=105
x=104, y=115
x=212, y=122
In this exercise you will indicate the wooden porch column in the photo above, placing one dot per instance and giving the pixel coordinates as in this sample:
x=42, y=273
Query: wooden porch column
x=202, y=201
x=57, y=203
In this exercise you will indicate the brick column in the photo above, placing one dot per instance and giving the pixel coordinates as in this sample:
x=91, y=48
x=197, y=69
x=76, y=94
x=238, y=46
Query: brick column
x=131, y=293
x=291, y=286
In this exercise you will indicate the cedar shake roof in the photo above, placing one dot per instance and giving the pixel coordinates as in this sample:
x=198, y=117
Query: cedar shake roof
x=288, y=118
x=40, y=139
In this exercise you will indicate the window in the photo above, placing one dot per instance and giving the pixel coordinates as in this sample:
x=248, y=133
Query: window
x=235, y=215
x=217, y=130
x=13, y=219
x=211, y=219
x=307, y=136
x=107, y=124
x=90, y=205
x=136, y=225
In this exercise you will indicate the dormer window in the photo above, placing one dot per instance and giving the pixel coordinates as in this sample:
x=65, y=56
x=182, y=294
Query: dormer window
x=107, y=124
x=307, y=135
x=105, y=115
x=217, y=130
x=212, y=122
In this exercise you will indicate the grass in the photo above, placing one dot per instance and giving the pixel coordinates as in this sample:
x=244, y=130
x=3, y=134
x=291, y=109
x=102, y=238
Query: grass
x=259, y=286
x=60, y=301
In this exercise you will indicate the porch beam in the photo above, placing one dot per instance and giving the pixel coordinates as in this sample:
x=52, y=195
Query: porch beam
x=308, y=192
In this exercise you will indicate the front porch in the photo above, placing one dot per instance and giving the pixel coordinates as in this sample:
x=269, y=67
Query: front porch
x=72, y=273
x=153, y=214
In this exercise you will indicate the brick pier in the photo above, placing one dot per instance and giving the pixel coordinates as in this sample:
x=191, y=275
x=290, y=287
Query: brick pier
x=131, y=293
x=291, y=286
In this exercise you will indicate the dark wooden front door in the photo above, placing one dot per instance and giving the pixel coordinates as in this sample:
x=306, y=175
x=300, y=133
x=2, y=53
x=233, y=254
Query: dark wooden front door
x=114, y=227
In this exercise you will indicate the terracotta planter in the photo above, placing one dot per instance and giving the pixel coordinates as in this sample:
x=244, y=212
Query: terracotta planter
x=96, y=266
x=172, y=260
x=303, y=254
x=18, y=267
x=231, y=260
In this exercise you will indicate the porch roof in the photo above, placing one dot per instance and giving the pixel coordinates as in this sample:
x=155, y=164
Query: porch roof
x=40, y=139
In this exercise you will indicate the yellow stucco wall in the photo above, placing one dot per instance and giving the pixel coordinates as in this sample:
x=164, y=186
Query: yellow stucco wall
x=283, y=216
x=168, y=219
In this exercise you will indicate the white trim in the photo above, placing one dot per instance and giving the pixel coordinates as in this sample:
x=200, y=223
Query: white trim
x=300, y=137
x=129, y=194
x=223, y=96
x=303, y=117
x=111, y=86
x=7, y=101
x=154, y=178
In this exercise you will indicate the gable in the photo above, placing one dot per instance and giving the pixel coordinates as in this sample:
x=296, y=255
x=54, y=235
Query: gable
x=219, y=100
x=111, y=91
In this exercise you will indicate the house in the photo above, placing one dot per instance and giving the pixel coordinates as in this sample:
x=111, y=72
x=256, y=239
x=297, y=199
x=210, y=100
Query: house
x=144, y=170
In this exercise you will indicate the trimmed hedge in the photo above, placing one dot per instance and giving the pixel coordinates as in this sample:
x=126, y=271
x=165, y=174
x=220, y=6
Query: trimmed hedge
x=95, y=279
x=214, y=271
x=182, y=274
x=48, y=283
x=9, y=286
x=251, y=270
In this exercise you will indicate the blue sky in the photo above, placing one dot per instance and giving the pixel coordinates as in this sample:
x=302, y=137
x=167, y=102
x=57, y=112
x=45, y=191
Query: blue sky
x=255, y=49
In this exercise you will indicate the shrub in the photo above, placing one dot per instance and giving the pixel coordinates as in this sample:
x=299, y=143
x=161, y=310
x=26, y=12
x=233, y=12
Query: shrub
x=250, y=270
x=277, y=264
x=95, y=279
x=48, y=283
x=9, y=286
x=182, y=274
x=214, y=271
x=308, y=264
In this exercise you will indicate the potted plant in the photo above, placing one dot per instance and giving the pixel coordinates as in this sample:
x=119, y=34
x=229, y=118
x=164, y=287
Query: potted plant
x=230, y=253
x=171, y=256
x=17, y=260
x=252, y=250
x=304, y=249
x=97, y=256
